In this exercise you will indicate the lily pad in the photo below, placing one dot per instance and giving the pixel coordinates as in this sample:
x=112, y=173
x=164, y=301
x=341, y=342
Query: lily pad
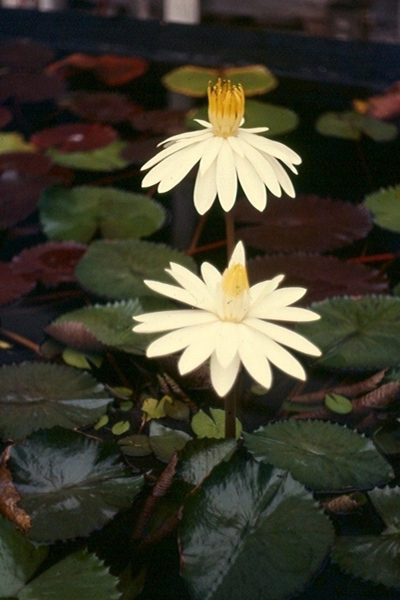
x=385, y=207
x=109, y=325
x=74, y=137
x=69, y=484
x=39, y=395
x=82, y=574
x=165, y=441
x=278, y=119
x=356, y=333
x=29, y=86
x=167, y=121
x=50, y=263
x=213, y=425
x=306, y=223
x=13, y=286
x=5, y=116
x=108, y=158
x=17, y=52
x=116, y=269
x=350, y=125
x=104, y=107
x=193, y=81
x=375, y=557
x=250, y=531
x=199, y=457
x=79, y=213
x=322, y=455
x=323, y=276
x=12, y=141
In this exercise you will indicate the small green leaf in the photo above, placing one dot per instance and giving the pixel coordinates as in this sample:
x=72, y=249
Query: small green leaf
x=126, y=406
x=385, y=207
x=164, y=441
x=177, y=410
x=135, y=445
x=108, y=158
x=120, y=427
x=322, y=455
x=81, y=360
x=212, y=426
x=338, y=404
x=101, y=422
x=155, y=409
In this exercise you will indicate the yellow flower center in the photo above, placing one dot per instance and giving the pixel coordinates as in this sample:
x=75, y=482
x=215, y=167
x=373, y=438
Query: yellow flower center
x=235, y=293
x=225, y=107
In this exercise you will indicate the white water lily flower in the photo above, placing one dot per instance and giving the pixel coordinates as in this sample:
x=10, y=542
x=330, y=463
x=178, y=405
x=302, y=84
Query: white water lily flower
x=230, y=323
x=227, y=152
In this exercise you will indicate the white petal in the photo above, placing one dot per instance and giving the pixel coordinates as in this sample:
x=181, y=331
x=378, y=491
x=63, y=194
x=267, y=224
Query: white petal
x=203, y=123
x=171, y=291
x=172, y=319
x=226, y=177
x=252, y=184
x=254, y=129
x=175, y=168
x=170, y=149
x=198, y=351
x=270, y=147
x=282, y=176
x=210, y=153
x=287, y=313
x=174, y=341
x=194, y=285
x=238, y=255
x=264, y=288
x=222, y=379
x=235, y=145
x=205, y=189
x=253, y=358
x=263, y=168
x=212, y=277
x=226, y=342
x=276, y=299
x=284, y=336
x=188, y=134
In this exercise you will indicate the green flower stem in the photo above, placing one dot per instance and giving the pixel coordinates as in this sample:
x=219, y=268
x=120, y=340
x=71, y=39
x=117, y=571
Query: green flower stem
x=230, y=233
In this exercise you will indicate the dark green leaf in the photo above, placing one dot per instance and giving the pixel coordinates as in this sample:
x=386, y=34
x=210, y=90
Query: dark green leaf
x=356, y=333
x=42, y=395
x=351, y=125
x=79, y=576
x=69, y=484
x=385, y=207
x=251, y=532
x=212, y=426
x=116, y=269
x=164, y=441
x=199, y=457
x=79, y=213
x=322, y=455
x=19, y=559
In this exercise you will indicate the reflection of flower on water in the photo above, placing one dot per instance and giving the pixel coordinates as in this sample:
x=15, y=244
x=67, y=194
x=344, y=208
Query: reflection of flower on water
x=227, y=152
x=230, y=323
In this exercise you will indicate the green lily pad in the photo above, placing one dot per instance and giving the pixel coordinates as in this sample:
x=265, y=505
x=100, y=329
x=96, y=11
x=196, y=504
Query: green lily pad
x=350, y=125
x=108, y=158
x=338, y=404
x=42, y=395
x=250, y=531
x=116, y=269
x=199, y=457
x=81, y=212
x=279, y=119
x=110, y=325
x=322, y=455
x=69, y=484
x=12, y=141
x=385, y=207
x=135, y=445
x=79, y=575
x=213, y=426
x=375, y=557
x=193, y=81
x=19, y=559
x=356, y=333
x=165, y=441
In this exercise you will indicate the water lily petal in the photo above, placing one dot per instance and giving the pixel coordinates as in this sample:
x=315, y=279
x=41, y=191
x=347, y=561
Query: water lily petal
x=288, y=313
x=226, y=177
x=277, y=299
x=172, y=319
x=194, y=285
x=226, y=343
x=252, y=184
x=174, y=341
x=171, y=149
x=222, y=379
x=284, y=336
x=205, y=189
x=263, y=168
x=200, y=350
x=210, y=153
x=253, y=358
x=270, y=147
x=212, y=277
x=264, y=288
x=171, y=291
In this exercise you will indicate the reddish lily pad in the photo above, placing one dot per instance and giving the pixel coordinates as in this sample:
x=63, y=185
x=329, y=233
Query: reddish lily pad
x=306, y=223
x=381, y=106
x=5, y=116
x=323, y=276
x=111, y=69
x=29, y=86
x=100, y=106
x=51, y=263
x=15, y=53
x=13, y=286
x=165, y=121
x=75, y=137
x=23, y=177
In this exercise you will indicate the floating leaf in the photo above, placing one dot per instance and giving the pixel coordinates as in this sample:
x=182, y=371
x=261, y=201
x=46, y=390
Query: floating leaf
x=375, y=557
x=13, y=286
x=307, y=223
x=278, y=119
x=200, y=456
x=338, y=404
x=165, y=441
x=69, y=484
x=81, y=360
x=79, y=213
x=51, y=263
x=356, y=333
x=74, y=137
x=116, y=269
x=82, y=575
x=385, y=207
x=135, y=445
x=39, y=395
x=100, y=106
x=19, y=559
x=108, y=158
x=322, y=455
x=381, y=106
x=322, y=276
x=351, y=125
x=387, y=436
x=102, y=422
x=120, y=427
x=155, y=409
x=167, y=121
x=212, y=426
x=17, y=52
x=11, y=141
x=29, y=86
x=251, y=532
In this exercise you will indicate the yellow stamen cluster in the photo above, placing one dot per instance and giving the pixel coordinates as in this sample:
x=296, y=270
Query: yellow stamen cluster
x=235, y=293
x=225, y=107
